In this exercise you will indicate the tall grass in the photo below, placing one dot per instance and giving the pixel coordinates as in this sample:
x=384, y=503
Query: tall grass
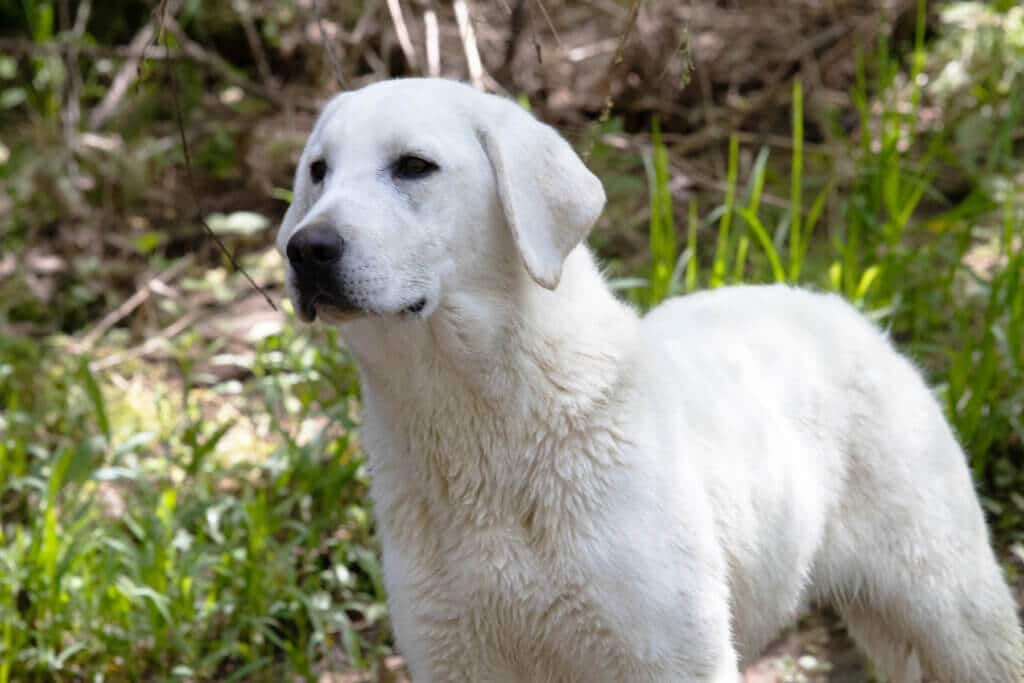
x=128, y=554
x=662, y=223
x=966, y=328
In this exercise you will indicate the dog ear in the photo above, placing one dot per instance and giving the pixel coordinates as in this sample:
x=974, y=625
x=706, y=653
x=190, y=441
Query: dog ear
x=549, y=197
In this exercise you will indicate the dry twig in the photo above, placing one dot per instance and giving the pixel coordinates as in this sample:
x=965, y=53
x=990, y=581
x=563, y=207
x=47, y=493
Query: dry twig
x=179, y=117
x=551, y=24
x=26, y=47
x=402, y=31
x=433, y=42
x=71, y=114
x=152, y=342
x=616, y=60
x=252, y=37
x=222, y=67
x=468, y=36
x=127, y=74
x=516, y=22
x=151, y=284
x=328, y=45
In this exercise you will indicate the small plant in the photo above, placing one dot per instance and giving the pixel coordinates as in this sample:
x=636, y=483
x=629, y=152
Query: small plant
x=662, y=225
x=193, y=567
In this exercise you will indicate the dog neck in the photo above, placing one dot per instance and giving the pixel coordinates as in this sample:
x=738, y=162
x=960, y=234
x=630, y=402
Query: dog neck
x=478, y=408
x=518, y=349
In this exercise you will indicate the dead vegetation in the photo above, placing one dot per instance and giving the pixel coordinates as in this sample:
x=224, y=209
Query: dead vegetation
x=708, y=69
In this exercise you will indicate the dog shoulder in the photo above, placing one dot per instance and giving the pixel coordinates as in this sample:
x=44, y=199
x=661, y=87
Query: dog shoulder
x=764, y=313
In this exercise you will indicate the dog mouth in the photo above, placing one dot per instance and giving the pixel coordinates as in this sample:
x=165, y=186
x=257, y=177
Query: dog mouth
x=313, y=302
x=328, y=311
x=417, y=307
x=310, y=305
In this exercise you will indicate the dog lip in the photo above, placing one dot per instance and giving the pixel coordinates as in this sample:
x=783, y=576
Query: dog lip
x=418, y=306
x=330, y=305
x=313, y=300
x=305, y=308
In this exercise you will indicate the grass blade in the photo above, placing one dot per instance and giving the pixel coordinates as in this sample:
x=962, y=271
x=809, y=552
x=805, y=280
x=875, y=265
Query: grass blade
x=778, y=272
x=720, y=265
x=796, y=180
x=691, y=244
x=662, y=222
x=92, y=390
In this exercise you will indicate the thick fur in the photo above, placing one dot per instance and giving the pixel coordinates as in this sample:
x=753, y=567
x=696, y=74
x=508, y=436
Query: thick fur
x=567, y=492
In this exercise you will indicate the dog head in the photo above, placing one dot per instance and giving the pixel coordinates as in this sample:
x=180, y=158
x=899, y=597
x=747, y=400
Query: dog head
x=412, y=188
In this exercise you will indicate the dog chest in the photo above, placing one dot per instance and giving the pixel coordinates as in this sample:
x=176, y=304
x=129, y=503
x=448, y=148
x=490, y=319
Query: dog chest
x=497, y=549
x=488, y=587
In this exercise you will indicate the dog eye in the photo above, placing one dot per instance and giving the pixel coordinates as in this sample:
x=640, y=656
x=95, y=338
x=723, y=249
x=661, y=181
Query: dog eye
x=317, y=170
x=410, y=167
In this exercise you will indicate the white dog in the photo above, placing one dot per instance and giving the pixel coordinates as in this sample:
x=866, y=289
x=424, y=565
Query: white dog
x=569, y=493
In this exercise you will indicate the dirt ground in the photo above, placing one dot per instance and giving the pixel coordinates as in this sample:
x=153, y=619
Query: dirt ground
x=817, y=651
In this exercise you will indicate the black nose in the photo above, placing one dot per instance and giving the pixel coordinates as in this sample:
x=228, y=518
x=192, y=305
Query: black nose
x=317, y=246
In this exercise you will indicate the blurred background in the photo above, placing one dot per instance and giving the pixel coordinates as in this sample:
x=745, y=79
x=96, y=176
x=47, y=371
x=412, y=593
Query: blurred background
x=182, y=489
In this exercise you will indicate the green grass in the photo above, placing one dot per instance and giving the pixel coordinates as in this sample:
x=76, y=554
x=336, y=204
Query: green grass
x=137, y=554
x=156, y=524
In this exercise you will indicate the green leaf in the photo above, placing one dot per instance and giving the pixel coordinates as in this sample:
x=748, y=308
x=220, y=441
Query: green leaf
x=12, y=97
x=796, y=180
x=238, y=223
x=662, y=223
x=149, y=241
x=720, y=264
x=692, y=224
x=8, y=67
x=778, y=273
x=867, y=278
x=48, y=551
x=92, y=390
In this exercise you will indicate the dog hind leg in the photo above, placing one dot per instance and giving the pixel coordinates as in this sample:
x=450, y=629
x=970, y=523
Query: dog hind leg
x=956, y=629
x=892, y=655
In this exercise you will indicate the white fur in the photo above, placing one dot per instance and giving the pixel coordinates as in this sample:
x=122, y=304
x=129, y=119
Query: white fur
x=567, y=492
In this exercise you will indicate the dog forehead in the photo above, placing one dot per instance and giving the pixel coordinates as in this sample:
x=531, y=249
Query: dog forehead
x=436, y=93
x=400, y=112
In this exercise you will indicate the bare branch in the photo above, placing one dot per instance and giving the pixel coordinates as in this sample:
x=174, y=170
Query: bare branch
x=476, y=68
x=222, y=67
x=180, y=118
x=551, y=24
x=516, y=22
x=26, y=47
x=149, y=285
x=128, y=73
x=634, y=12
x=328, y=45
x=433, y=42
x=402, y=31
x=71, y=113
x=252, y=36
